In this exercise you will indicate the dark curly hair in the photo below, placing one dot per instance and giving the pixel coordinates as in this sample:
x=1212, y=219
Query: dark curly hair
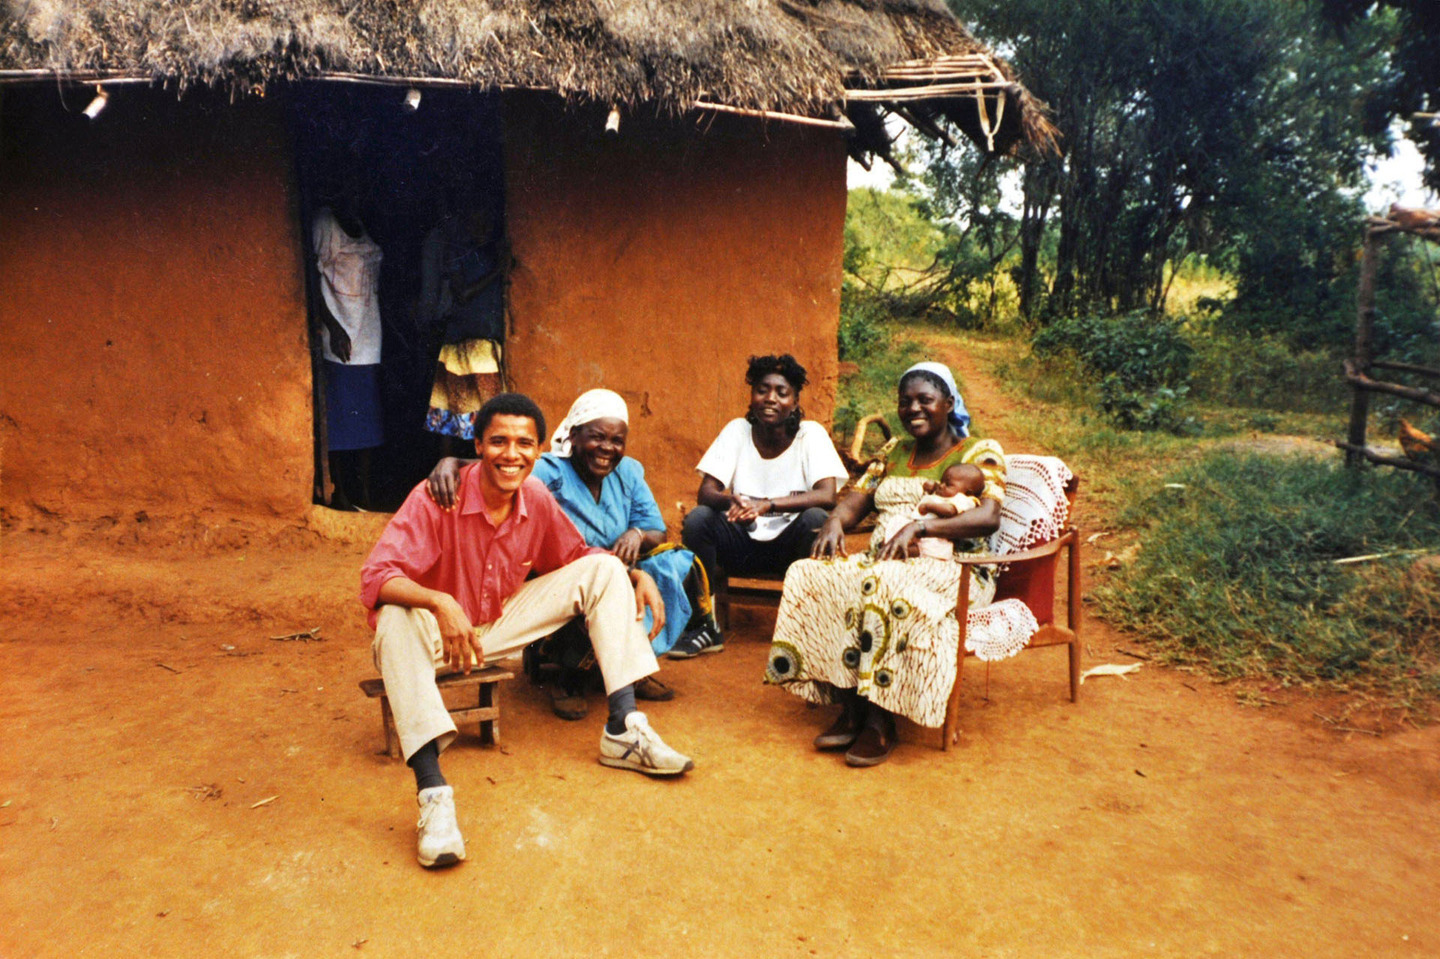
x=794, y=374
x=509, y=404
x=784, y=364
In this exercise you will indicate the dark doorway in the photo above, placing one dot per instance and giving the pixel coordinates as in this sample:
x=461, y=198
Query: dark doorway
x=398, y=174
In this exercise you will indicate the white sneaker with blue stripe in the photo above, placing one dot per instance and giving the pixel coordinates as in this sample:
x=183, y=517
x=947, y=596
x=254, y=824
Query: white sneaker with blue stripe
x=640, y=748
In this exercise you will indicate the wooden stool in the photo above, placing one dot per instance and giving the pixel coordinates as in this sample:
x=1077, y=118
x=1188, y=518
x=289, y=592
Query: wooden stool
x=764, y=589
x=487, y=713
x=759, y=590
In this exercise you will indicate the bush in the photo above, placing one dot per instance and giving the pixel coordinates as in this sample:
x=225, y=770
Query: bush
x=883, y=354
x=1142, y=361
x=1306, y=296
x=862, y=328
x=1158, y=409
x=1266, y=371
x=1236, y=572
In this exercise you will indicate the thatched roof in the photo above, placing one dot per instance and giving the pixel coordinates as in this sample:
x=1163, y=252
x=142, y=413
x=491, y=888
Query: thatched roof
x=794, y=56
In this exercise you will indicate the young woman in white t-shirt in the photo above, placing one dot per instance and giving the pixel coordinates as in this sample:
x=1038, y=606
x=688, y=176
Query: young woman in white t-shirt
x=766, y=484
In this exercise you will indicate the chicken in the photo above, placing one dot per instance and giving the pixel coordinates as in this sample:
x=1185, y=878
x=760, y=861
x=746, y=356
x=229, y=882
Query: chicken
x=1416, y=444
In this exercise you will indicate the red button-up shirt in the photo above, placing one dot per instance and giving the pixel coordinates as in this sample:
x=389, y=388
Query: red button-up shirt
x=464, y=554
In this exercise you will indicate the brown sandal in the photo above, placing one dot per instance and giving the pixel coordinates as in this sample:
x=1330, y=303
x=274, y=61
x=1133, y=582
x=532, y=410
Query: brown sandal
x=567, y=704
x=845, y=729
x=875, y=742
x=652, y=690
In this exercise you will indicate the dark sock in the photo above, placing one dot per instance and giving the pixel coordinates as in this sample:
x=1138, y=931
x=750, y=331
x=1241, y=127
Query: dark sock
x=426, y=763
x=622, y=704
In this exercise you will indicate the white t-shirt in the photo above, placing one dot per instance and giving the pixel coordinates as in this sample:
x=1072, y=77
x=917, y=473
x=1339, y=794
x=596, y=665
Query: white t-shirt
x=736, y=463
x=350, y=283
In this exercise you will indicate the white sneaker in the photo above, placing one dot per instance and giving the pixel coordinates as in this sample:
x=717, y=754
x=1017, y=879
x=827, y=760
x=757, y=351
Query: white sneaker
x=440, y=842
x=640, y=748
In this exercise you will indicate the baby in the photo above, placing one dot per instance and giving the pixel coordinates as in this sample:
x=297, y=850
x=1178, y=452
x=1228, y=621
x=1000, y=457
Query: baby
x=959, y=490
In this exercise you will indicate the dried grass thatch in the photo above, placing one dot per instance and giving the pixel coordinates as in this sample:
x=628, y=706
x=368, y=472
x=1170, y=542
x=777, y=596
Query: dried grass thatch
x=794, y=56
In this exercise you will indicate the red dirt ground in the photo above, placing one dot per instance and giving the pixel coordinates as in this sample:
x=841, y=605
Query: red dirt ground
x=1154, y=817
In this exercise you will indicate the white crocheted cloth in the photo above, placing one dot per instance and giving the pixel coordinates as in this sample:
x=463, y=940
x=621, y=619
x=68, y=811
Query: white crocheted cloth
x=1000, y=630
x=1035, y=511
x=1035, y=508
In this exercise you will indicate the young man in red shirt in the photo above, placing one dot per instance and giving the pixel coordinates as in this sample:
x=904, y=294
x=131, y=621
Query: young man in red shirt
x=447, y=588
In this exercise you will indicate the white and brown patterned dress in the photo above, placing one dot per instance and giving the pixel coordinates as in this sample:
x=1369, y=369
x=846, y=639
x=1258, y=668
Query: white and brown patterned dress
x=884, y=628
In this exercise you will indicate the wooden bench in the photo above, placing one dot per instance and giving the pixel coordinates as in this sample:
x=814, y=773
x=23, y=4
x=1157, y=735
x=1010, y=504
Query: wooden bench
x=764, y=589
x=759, y=590
x=486, y=712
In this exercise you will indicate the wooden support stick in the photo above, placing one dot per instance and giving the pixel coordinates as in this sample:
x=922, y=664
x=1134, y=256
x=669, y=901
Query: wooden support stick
x=925, y=125
x=898, y=94
x=894, y=164
x=941, y=64
x=1371, y=557
x=106, y=77
x=1405, y=368
x=422, y=82
x=1364, y=321
x=843, y=124
x=1363, y=383
x=1399, y=462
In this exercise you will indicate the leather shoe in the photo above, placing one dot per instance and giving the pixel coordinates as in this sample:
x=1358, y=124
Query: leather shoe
x=652, y=690
x=842, y=732
x=873, y=745
x=566, y=704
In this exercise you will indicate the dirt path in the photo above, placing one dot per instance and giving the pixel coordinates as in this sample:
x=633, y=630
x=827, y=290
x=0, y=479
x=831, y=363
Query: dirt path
x=1154, y=817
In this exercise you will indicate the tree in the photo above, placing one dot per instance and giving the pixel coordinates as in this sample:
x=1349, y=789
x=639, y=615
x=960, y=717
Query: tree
x=1181, y=121
x=1413, y=37
x=1289, y=231
x=961, y=195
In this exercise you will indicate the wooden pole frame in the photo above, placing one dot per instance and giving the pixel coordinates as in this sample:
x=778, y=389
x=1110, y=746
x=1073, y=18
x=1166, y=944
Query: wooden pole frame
x=1357, y=368
x=1359, y=364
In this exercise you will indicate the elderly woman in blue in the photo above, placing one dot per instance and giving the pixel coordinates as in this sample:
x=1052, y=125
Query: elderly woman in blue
x=604, y=493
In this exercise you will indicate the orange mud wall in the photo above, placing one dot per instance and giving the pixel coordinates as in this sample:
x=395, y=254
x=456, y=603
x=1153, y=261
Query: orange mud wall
x=152, y=314
x=656, y=262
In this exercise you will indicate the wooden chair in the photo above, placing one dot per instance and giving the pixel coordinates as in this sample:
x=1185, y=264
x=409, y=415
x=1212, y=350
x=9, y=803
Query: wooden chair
x=1029, y=576
x=486, y=712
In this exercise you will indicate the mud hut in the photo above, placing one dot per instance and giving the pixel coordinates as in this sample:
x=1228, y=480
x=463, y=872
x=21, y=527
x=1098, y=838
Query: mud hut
x=672, y=175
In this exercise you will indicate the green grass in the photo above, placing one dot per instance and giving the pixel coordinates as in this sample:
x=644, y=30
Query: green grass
x=1236, y=573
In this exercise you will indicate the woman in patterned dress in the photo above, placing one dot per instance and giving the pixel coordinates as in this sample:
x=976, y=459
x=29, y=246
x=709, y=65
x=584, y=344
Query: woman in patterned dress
x=877, y=632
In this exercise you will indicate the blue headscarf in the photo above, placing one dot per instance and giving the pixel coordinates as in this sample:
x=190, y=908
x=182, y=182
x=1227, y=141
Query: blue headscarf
x=959, y=416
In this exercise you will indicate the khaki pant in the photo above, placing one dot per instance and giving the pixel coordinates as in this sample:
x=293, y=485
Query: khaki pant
x=409, y=650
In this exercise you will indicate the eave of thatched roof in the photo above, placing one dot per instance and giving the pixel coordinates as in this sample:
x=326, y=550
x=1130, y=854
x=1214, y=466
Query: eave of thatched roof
x=791, y=56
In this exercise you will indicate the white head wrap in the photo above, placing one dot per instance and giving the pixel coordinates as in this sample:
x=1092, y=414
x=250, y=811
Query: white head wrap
x=959, y=417
x=588, y=407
